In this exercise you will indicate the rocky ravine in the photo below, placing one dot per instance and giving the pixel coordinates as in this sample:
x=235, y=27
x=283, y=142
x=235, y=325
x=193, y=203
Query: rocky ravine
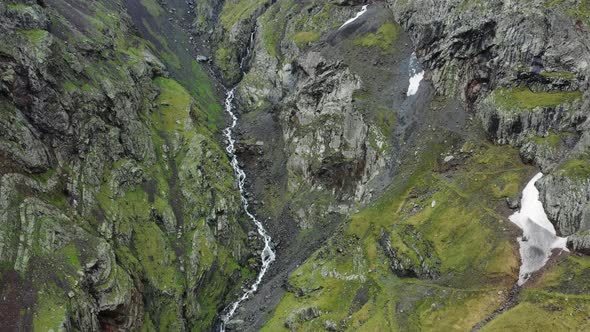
x=317, y=127
x=515, y=72
x=119, y=209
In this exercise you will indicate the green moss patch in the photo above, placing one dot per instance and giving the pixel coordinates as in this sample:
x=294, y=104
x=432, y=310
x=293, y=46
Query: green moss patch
x=579, y=10
x=236, y=10
x=302, y=22
x=383, y=39
x=206, y=100
x=553, y=140
x=550, y=313
x=577, y=169
x=305, y=38
x=50, y=310
x=561, y=74
x=34, y=36
x=71, y=255
x=153, y=7
x=522, y=98
x=175, y=104
x=273, y=23
x=157, y=257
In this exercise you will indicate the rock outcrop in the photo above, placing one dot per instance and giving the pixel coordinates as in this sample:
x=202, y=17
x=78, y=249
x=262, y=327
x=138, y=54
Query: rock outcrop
x=331, y=147
x=567, y=202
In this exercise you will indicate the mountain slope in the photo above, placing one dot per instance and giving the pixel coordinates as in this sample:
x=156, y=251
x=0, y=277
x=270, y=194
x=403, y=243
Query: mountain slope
x=119, y=207
x=435, y=248
x=388, y=205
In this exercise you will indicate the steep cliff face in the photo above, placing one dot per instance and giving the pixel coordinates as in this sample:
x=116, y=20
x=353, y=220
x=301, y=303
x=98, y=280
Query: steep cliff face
x=316, y=88
x=119, y=209
x=523, y=68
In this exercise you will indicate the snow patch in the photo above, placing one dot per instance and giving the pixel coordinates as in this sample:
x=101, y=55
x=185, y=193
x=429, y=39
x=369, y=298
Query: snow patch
x=538, y=233
x=359, y=14
x=415, y=83
x=416, y=75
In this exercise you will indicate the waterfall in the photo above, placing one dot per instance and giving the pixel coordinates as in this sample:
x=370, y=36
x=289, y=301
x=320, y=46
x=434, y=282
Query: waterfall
x=268, y=254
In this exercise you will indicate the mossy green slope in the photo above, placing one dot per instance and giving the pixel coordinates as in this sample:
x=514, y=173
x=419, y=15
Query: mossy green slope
x=138, y=221
x=557, y=301
x=458, y=229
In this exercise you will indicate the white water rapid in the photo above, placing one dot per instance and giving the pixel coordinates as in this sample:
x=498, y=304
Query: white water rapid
x=538, y=234
x=359, y=14
x=415, y=76
x=268, y=255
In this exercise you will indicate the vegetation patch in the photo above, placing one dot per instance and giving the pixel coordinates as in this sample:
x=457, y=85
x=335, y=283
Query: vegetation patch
x=273, y=26
x=579, y=10
x=225, y=57
x=553, y=140
x=153, y=7
x=156, y=257
x=71, y=255
x=385, y=119
x=576, y=169
x=206, y=99
x=522, y=98
x=560, y=74
x=440, y=222
x=34, y=36
x=554, y=313
x=50, y=310
x=305, y=38
x=237, y=10
x=384, y=38
x=175, y=104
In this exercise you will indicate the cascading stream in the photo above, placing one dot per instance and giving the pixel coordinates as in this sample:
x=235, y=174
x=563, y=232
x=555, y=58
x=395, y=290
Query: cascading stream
x=268, y=255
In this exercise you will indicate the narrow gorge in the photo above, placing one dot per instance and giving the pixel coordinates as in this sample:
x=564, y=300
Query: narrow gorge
x=294, y=165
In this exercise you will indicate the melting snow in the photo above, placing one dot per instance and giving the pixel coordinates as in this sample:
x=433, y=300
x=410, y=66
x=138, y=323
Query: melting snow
x=415, y=76
x=363, y=10
x=538, y=232
x=415, y=83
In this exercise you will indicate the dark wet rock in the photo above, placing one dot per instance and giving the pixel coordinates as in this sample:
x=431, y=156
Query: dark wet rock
x=348, y=2
x=513, y=203
x=234, y=325
x=330, y=325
